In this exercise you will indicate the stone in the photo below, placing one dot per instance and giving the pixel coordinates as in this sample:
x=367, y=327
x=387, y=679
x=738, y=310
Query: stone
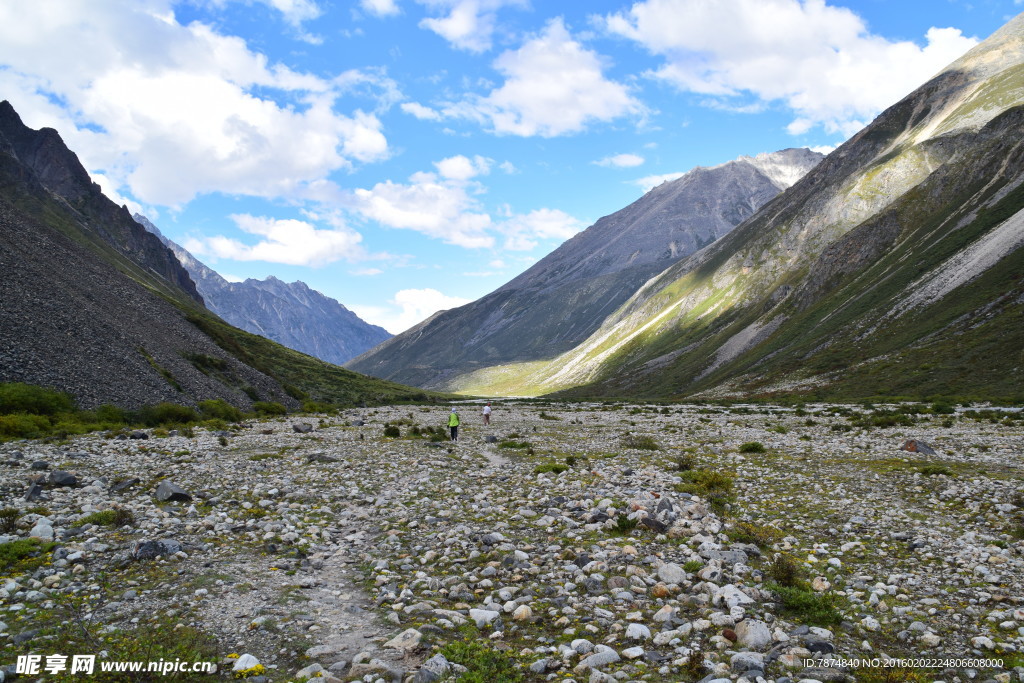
x=522, y=613
x=140, y=435
x=603, y=656
x=491, y=439
x=671, y=573
x=168, y=492
x=310, y=671
x=753, y=634
x=60, y=478
x=820, y=584
x=302, y=428
x=917, y=446
x=638, y=632
x=483, y=617
x=742, y=662
x=633, y=652
x=432, y=670
x=244, y=662
x=124, y=484
x=408, y=639
x=149, y=550
x=40, y=465
x=43, y=531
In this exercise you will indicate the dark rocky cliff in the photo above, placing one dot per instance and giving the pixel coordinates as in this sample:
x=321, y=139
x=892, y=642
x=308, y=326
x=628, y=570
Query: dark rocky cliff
x=38, y=160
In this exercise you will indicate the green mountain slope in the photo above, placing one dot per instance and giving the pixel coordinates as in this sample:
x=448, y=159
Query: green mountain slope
x=894, y=267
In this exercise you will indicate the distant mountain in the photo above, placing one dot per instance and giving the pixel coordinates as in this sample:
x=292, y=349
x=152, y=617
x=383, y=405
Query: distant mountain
x=563, y=298
x=289, y=313
x=94, y=305
x=894, y=268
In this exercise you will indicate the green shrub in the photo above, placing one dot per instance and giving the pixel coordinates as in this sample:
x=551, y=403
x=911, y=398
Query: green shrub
x=114, y=518
x=624, y=525
x=269, y=408
x=508, y=443
x=545, y=416
x=23, y=555
x=802, y=602
x=318, y=407
x=220, y=409
x=943, y=408
x=392, y=431
x=642, y=443
x=752, y=447
x=555, y=467
x=9, y=520
x=761, y=536
x=167, y=414
x=484, y=664
x=692, y=566
x=113, y=415
x=786, y=571
x=705, y=483
x=935, y=470
x=16, y=397
x=24, y=426
x=684, y=462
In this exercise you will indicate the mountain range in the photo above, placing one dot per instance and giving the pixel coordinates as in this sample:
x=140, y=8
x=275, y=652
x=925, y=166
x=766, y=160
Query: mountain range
x=93, y=304
x=291, y=314
x=893, y=268
x=563, y=298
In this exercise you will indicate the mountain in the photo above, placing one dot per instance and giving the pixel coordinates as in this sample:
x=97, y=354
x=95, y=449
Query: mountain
x=94, y=305
x=563, y=298
x=291, y=314
x=894, y=268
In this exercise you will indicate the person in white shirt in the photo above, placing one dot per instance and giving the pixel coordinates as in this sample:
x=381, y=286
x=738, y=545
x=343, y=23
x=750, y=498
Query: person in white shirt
x=487, y=414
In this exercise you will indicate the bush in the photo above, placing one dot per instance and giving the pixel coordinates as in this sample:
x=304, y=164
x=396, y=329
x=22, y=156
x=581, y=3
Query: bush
x=935, y=470
x=113, y=415
x=685, y=462
x=269, y=408
x=9, y=520
x=484, y=664
x=16, y=397
x=25, y=554
x=555, y=467
x=508, y=443
x=392, y=431
x=752, y=447
x=167, y=414
x=816, y=608
x=24, y=426
x=786, y=571
x=220, y=409
x=761, y=536
x=318, y=407
x=692, y=566
x=114, y=518
x=643, y=443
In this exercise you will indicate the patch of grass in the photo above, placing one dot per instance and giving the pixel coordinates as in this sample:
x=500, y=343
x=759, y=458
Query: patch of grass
x=269, y=408
x=807, y=605
x=114, y=518
x=624, y=525
x=484, y=664
x=692, y=566
x=877, y=674
x=638, y=442
x=752, y=447
x=756, y=534
x=935, y=470
x=706, y=483
x=555, y=467
x=265, y=456
x=518, y=445
x=23, y=556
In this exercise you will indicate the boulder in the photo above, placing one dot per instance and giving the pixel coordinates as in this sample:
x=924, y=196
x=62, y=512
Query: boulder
x=302, y=428
x=917, y=446
x=149, y=550
x=168, y=492
x=753, y=634
x=60, y=478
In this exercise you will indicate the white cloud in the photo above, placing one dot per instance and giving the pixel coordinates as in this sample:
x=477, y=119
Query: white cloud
x=553, y=86
x=408, y=307
x=168, y=111
x=621, y=161
x=380, y=8
x=523, y=231
x=468, y=24
x=366, y=271
x=818, y=60
x=463, y=168
x=441, y=208
x=288, y=241
x=647, y=183
x=510, y=168
x=825, y=149
x=420, y=111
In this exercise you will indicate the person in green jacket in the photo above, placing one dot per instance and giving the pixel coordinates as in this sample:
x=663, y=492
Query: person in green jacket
x=453, y=424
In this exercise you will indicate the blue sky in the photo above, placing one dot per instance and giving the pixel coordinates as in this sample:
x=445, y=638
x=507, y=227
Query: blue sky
x=408, y=155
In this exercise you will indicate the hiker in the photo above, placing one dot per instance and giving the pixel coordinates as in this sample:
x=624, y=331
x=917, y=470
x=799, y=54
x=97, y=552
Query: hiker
x=487, y=414
x=453, y=424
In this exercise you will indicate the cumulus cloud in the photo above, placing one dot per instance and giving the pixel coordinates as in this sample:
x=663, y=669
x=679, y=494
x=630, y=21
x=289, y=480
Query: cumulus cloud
x=407, y=308
x=466, y=24
x=522, y=232
x=287, y=241
x=621, y=161
x=420, y=111
x=169, y=111
x=819, y=61
x=380, y=8
x=436, y=206
x=553, y=86
x=463, y=168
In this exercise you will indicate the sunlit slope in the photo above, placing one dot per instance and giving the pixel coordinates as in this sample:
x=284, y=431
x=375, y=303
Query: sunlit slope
x=894, y=267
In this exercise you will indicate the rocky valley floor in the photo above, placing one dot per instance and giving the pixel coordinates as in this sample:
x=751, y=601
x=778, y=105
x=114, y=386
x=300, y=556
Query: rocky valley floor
x=582, y=542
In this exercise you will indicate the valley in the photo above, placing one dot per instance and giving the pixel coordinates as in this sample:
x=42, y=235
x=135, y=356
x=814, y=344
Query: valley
x=584, y=541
